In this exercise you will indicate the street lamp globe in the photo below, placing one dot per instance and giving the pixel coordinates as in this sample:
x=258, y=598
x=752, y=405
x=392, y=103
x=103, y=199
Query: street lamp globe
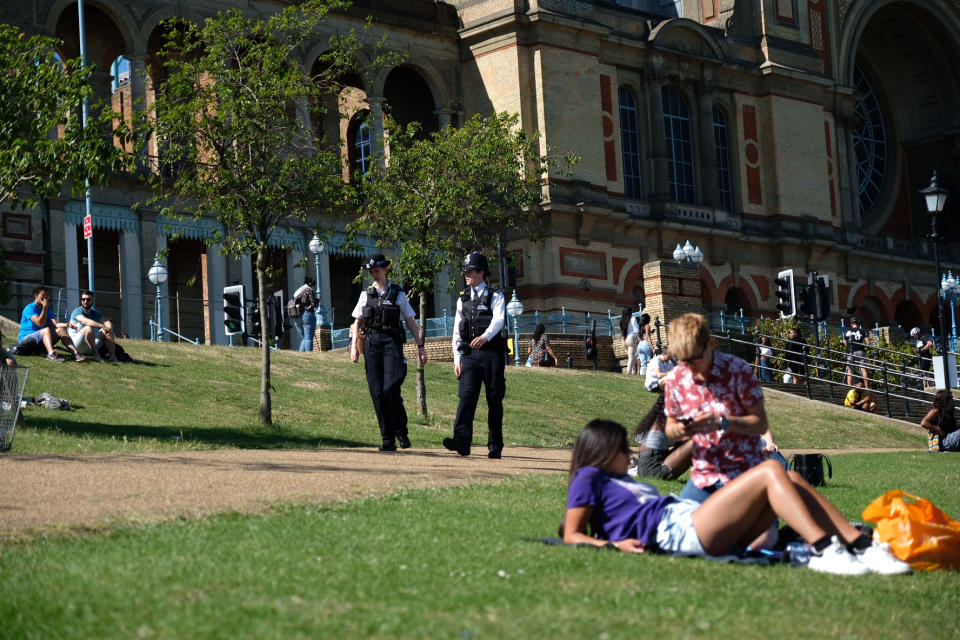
x=158, y=273
x=678, y=254
x=697, y=255
x=316, y=246
x=514, y=307
x=688, y=250
x=935, y=196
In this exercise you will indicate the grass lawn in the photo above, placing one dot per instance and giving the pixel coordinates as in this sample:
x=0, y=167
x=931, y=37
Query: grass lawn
x=185, y=397
x=454, y=564
x=449, y=563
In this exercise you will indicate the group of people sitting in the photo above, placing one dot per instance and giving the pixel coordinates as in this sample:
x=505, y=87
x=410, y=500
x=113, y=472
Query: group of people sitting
x=85, y=334
x=710, y=419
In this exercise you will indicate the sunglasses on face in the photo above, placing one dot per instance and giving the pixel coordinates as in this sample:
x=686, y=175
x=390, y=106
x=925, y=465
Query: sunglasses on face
x=86, y=299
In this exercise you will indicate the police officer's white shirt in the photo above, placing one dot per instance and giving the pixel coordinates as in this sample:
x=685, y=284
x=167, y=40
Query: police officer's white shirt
x=405, y=309
x=496, y=323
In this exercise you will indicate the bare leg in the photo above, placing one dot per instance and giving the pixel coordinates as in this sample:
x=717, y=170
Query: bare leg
x=747, y=506
x=679, y=459
x=822, y=510
x=89, y=337
x=63, y=337
x=47, y=337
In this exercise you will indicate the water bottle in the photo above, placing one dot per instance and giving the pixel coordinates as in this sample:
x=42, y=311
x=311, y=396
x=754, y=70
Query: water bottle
x=799, y=553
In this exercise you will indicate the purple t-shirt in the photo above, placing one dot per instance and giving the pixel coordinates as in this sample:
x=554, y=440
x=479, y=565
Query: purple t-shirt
x=622, y=507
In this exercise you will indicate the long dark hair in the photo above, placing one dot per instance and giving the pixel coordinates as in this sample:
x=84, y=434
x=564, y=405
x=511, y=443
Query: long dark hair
x=655, y=416
x=943, y=401
x=598, y=444
x=625, y=320
x=538, y=332
x=644, y=319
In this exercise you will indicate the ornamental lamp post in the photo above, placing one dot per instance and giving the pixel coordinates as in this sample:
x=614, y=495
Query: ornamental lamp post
x=935, y=197
x=950, y=291
x=688, y=254
x=514, y=309
x=316, y=248
x=157, y=276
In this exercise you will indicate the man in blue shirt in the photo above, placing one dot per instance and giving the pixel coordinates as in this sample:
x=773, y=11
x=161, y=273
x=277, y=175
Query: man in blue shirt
x=89, y=329
x=38, y=325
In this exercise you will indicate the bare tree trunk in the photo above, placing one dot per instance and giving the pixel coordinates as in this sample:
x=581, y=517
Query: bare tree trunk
x=421, y=384
x=266, y=408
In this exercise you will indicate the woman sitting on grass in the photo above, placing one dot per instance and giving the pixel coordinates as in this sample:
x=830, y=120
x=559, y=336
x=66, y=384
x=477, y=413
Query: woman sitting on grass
x=659, y=456
x=633, y=516
x=943, y=434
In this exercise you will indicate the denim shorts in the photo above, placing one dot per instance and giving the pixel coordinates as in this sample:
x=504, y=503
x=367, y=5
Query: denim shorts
x=675, y=533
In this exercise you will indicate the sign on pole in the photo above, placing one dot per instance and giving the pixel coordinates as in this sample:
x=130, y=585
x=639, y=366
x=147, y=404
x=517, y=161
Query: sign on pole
x=87, y=227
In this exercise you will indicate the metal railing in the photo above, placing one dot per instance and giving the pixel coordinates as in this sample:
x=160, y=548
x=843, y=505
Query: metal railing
x=556, y=323
x=833, y=368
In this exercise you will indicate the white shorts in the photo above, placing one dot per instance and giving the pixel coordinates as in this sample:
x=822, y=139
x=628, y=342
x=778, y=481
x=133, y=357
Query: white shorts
x=675, y=533
x=80, y=343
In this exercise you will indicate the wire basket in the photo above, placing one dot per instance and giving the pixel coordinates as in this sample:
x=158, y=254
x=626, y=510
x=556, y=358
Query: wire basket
x=13, y=380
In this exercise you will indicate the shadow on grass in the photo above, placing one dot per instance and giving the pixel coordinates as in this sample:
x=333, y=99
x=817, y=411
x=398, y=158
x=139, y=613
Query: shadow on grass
x=215, y=436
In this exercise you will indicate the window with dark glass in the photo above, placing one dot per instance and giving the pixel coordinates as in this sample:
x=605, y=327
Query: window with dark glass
x=720, y=138
x=630, y=145
x=676, y=123
x=869, y=142
x=362, y=148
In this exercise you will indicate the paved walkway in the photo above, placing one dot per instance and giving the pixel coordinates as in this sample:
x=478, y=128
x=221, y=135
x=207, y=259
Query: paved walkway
x=44, y=492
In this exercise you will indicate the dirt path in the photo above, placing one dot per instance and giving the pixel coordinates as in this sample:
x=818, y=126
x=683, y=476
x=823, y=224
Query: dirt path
x=44, y=492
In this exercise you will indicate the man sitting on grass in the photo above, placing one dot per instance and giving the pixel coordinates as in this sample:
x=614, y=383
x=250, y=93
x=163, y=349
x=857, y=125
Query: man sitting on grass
x=38, y=326
x=89, y=330
x=860, y=399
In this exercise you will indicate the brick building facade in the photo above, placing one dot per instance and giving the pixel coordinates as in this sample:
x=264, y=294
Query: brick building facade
x=772, y=133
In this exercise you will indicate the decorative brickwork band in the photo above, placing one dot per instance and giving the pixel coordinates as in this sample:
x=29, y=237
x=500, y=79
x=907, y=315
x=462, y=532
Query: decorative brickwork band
x=751, y=152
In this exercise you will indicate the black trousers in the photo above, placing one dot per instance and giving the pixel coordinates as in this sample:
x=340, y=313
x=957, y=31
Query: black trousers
x=386, y=371
x=486, y=367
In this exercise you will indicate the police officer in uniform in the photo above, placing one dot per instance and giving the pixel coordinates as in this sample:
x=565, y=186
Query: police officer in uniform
x=380, y=313
x=479, y=356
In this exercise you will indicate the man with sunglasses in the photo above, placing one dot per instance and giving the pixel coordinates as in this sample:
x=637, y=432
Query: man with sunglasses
x=714, y=399
x=89, y=330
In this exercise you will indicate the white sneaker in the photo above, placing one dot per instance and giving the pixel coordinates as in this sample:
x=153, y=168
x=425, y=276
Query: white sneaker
x=837, y=560
x=878, y=559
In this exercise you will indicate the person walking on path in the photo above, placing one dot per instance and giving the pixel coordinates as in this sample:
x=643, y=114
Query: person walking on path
x=856, y=340
x=306, y=323
x=630, y=333
x=479, y=356
x=380, y=313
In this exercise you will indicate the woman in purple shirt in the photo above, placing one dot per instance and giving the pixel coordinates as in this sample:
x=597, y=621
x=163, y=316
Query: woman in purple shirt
x=633, y=516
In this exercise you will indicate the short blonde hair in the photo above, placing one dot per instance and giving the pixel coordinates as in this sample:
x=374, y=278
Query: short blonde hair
x=689, y=335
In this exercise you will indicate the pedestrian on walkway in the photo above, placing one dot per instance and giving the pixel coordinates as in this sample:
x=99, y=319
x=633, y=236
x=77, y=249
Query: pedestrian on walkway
x=479, y=356
x=380, y=312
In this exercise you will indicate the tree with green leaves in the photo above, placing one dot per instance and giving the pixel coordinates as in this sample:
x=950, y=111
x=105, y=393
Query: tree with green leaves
x=232, y=137
x=43, y=143
x=439, y=196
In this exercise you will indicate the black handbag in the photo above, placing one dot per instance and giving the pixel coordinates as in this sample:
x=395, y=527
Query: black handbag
x=810, y=466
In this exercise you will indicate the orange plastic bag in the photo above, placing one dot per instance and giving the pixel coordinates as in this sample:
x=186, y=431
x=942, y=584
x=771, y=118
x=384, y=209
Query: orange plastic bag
x=917, y=531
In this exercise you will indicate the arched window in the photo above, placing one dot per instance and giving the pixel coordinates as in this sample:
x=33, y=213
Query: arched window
x=676, y=123
x=720, y=143
x=362, y=148
x=869, y=142
x=630, y=144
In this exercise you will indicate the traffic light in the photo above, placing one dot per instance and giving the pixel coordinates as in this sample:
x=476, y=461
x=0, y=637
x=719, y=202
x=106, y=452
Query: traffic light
x=590, y=344
x=233, y=304
x=821, y=308
x=256, y=329
x=808, y=300
x=786, y=297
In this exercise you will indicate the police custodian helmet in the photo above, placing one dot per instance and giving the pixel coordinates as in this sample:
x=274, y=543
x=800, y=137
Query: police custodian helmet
x=376, y=260
x=476, y=260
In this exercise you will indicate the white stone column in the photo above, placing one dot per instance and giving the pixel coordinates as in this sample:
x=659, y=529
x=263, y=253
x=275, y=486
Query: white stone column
x=216, y=281
x=71, y=260
x=325, y=287
x=296, y=270
x=443, y=299
x=131, y=282
x=657, y=134
x=246, y=277
x=709, y=183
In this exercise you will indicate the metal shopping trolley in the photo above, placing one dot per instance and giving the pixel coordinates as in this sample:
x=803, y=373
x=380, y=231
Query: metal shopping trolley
x=13, y=380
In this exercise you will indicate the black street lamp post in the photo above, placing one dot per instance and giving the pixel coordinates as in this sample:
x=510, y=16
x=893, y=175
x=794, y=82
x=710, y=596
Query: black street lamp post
x=935, y=197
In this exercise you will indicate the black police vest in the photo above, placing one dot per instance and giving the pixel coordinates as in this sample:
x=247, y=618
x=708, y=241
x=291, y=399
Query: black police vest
x=384, y=318
x=476, y=316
